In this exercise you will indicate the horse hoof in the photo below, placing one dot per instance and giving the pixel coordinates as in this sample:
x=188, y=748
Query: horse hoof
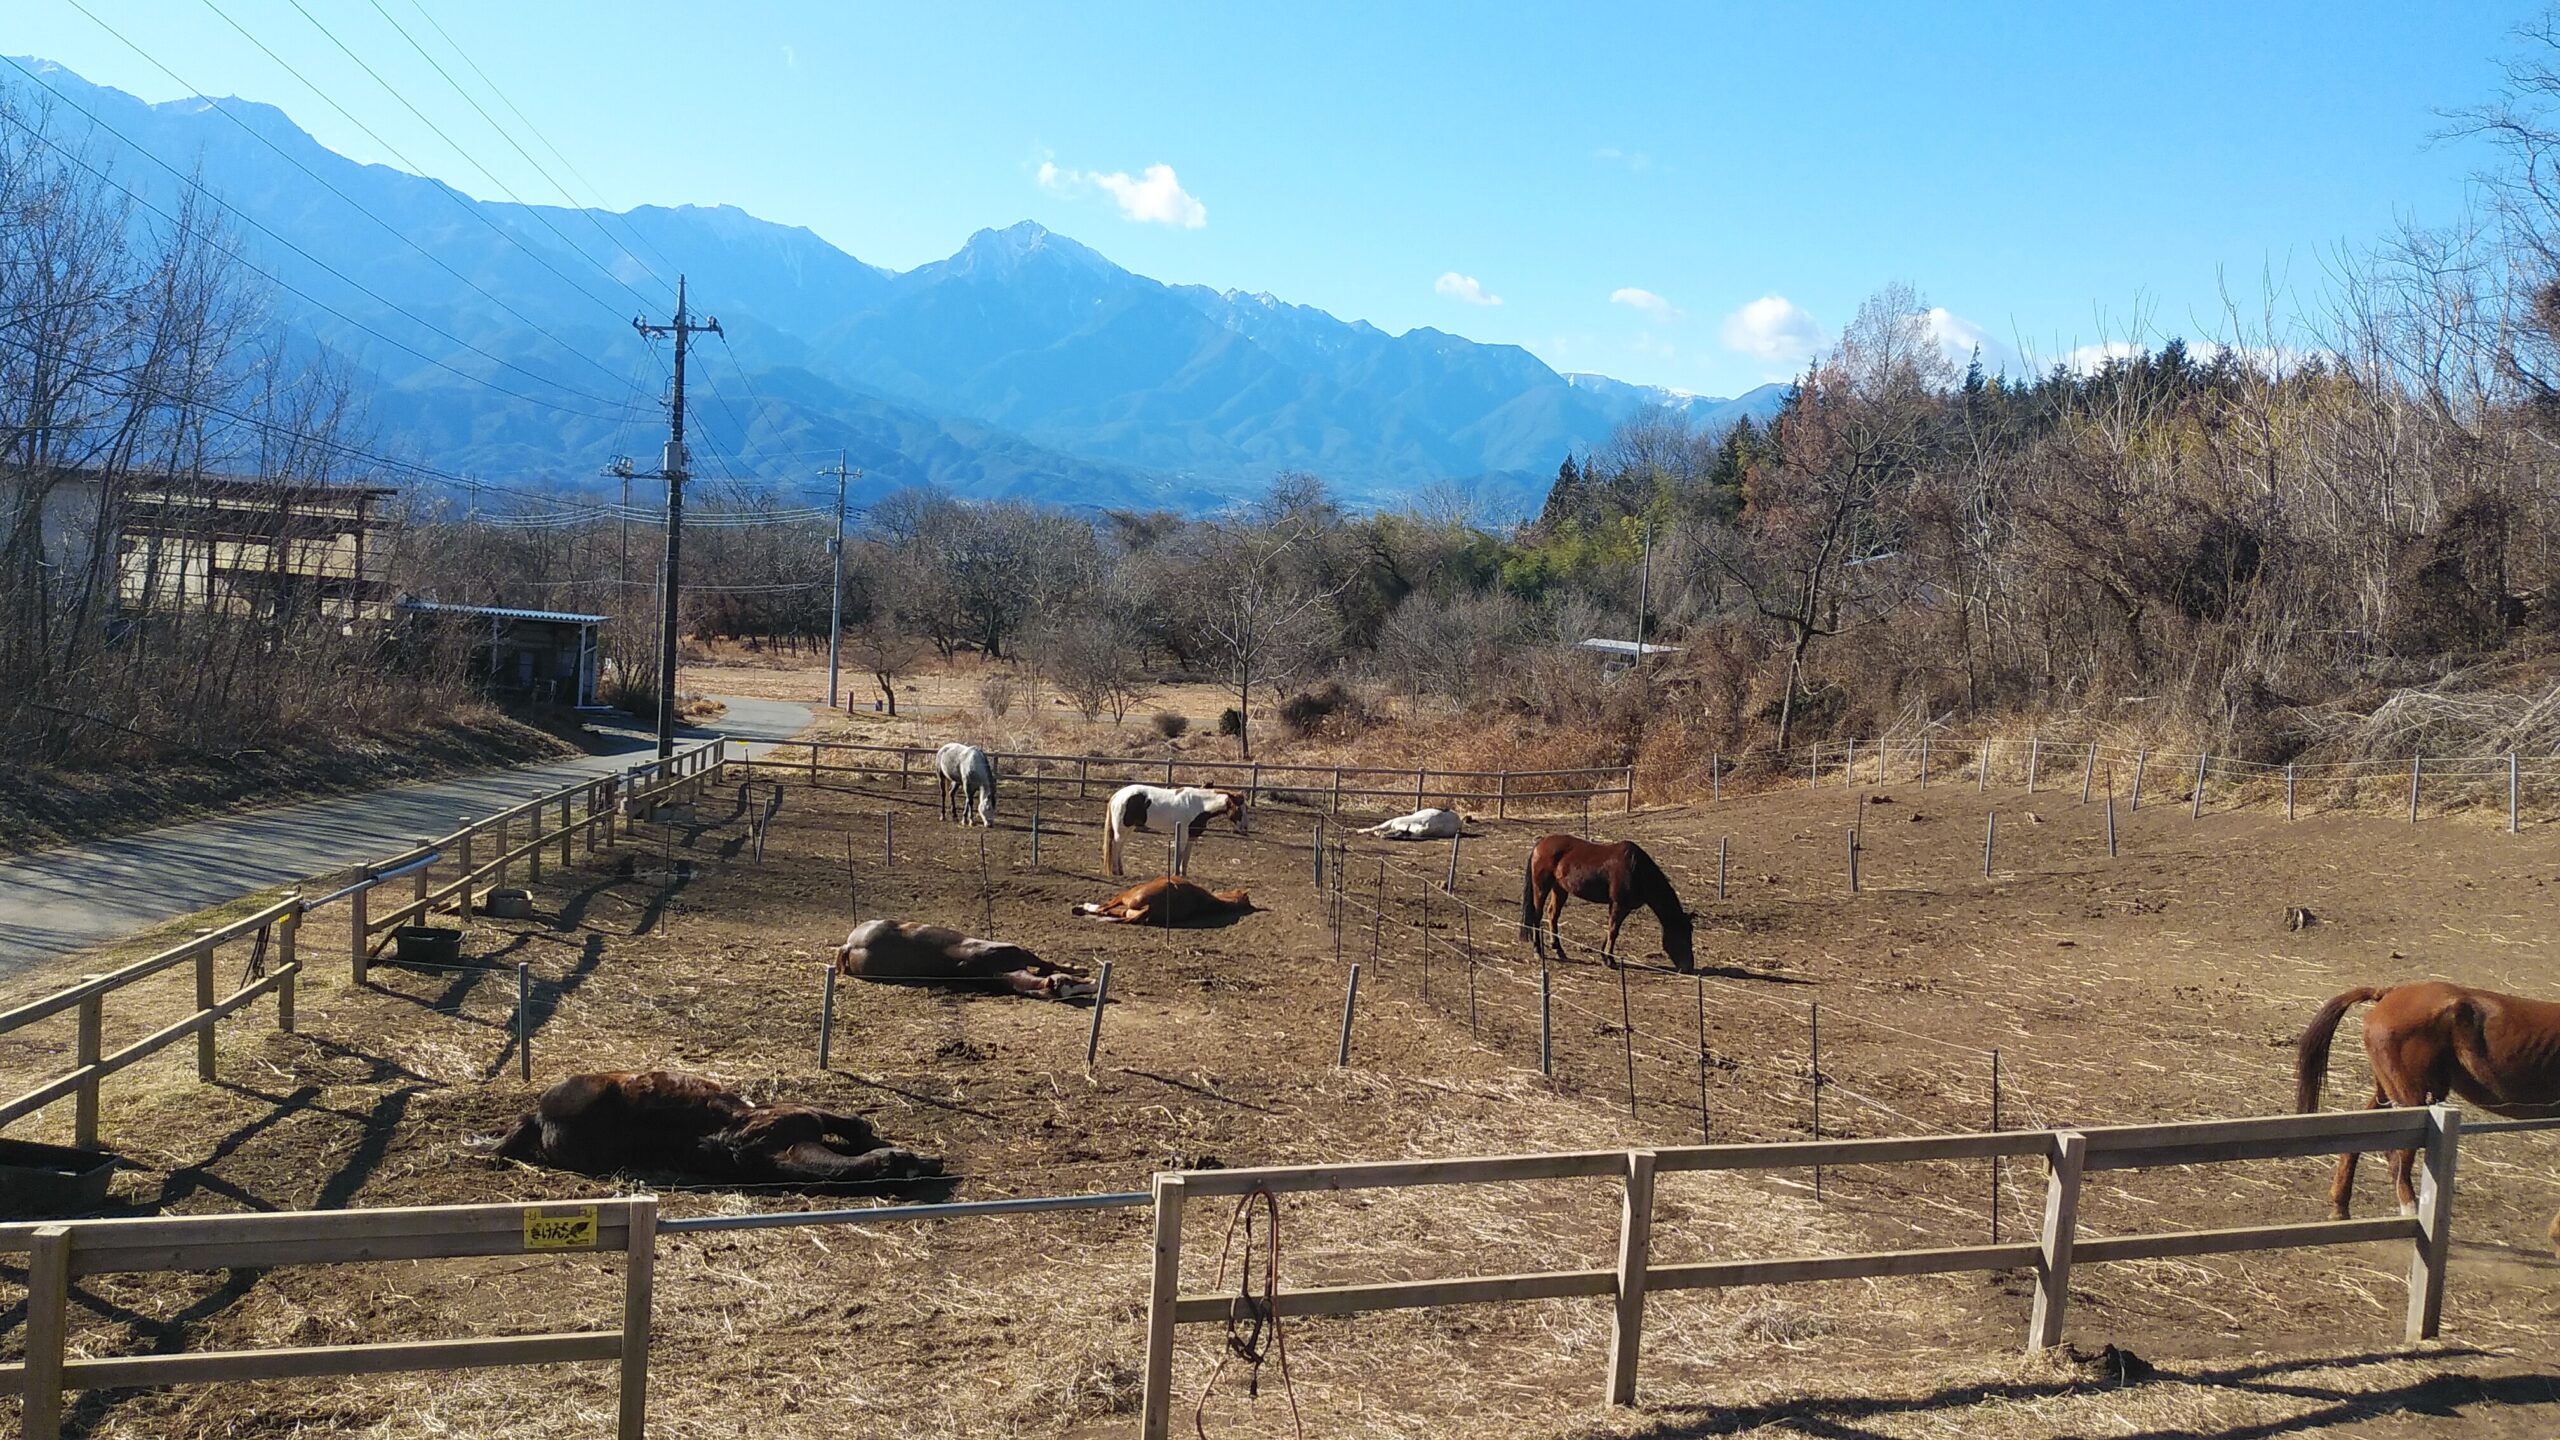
x=2337, y=1212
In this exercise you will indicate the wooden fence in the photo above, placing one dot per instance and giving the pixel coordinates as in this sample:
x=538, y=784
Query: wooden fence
x=2069, y=1155
x=272, y=965
x=1078, y=775
x=56, y=1253
x=482, y=852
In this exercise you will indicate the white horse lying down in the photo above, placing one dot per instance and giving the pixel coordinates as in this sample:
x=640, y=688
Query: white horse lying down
x=1154, y=809
x=968, y=783
x=1420, y=825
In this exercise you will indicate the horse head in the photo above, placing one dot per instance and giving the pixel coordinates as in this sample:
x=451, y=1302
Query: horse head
x=1235, y=810
x=1678, y=930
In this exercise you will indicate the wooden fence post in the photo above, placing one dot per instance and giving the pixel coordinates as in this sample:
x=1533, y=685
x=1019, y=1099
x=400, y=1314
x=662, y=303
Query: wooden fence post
x=1501, y=796
x=1715, y=776
x=503, y=823
x=1629, y=808
x=48, y=1301
x=360, y=925
x=84, y=1115
x=1164, y=1287
x=1982, y=771
x=2035, y=757
x=1335, y=807
x=1451, y=883
x=1849, y=767
x=204, y=1002
x=1635, y=1245
x=1417, y=789
x=1924, y=762
x=1093, y=1031
x=827, y=1017
x=2435, y=1222
x=288, y=968
x=639, y=1287
x=462, y=848
x=1350, y=1002
x=568, y=831
x=2061, y=1222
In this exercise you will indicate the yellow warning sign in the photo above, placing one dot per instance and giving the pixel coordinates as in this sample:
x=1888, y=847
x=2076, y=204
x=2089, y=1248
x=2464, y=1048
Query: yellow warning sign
x=573, y=1230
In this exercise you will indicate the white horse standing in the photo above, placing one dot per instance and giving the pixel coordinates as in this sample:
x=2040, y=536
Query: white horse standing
x=968, y=783
x=1184, y=812
x=1420, y=825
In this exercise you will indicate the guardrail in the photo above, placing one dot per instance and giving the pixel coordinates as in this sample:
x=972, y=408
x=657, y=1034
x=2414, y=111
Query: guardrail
x=91, y=1063
x=485, y=850
x=58, y=1252
x=1048, y=775
x=2069, y=1155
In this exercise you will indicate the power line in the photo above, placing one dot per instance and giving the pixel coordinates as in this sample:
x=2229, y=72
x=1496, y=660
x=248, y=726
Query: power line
x=359, y=207
x=519, y=149
x=281, y=283
x=473, y=160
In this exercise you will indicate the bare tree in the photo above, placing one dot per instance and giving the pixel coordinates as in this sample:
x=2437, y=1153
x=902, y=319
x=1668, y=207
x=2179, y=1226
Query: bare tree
x=1269, y=626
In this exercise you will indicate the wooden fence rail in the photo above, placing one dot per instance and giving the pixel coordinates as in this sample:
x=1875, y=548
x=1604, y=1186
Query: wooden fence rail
x=586, y=813
x=2069, y=1155
x=1048, y=775
x=278, y=973
x=56, y=1253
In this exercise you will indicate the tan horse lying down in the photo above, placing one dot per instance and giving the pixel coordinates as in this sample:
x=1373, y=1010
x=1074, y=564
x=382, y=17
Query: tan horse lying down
x=900, y=952
x=2431, y=1041
x=1167, y=900
x=670, y=1121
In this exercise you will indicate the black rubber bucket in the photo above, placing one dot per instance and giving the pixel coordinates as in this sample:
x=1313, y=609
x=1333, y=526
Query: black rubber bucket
x=39, y=1179
x=425, y=945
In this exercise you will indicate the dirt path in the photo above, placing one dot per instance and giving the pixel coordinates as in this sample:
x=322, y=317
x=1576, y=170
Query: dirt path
x=69, y=899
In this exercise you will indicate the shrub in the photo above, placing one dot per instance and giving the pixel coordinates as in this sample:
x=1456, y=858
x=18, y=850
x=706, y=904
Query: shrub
x=996, y=693
x=1231, y=721
x=1302, y=714
x=1170, y=725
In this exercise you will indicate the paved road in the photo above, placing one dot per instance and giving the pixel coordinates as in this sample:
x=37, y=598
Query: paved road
x=63, y=900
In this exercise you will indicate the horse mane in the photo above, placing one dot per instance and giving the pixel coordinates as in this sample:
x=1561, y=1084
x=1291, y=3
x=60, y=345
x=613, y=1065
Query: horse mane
x=1653, y=881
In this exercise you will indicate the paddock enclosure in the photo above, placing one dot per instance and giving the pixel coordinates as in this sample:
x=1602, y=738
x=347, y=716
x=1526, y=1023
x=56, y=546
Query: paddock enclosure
x=2163, y=984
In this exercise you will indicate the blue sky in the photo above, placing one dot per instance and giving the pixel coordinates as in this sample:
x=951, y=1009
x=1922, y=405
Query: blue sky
x=1686, y=195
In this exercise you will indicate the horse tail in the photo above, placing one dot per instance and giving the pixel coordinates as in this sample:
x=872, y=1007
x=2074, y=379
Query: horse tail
x=2311, y=1062
x=1529, y=898
x=1111, y=838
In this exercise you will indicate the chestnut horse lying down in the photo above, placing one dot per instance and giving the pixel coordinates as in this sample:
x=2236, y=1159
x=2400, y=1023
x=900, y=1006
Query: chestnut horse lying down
x=1420, y=825
x=667, y=1120
x=900, y=952
x=1168, y=900
x=2430, y=1040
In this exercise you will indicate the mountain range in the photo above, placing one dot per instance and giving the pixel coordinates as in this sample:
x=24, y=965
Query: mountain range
x=497, y=341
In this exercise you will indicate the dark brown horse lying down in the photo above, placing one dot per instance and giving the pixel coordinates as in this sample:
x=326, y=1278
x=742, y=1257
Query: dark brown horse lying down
x=2432, y=1040
x=667, y=1120
x=1168, y=900
x=900, y=952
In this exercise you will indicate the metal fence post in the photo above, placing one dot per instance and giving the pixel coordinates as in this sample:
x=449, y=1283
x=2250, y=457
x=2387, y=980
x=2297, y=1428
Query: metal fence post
x=2141, y=759
x=2511, y=792
x=1723, y=844
x=1546, y=1023
x=1990, y=829
x=1350, y=1001
x=827, y=1018
x=2088, y=771
x=2288, y=789
x=1093, y=1031
x=2195, y=801
x=2035, y=757
x=524, y=1020
x=2414, y=763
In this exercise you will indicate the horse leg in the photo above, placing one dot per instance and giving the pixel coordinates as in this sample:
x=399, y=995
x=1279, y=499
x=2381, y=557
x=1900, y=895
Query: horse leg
x=1555, y=919
x=1617, y=917
x=2345, y=1180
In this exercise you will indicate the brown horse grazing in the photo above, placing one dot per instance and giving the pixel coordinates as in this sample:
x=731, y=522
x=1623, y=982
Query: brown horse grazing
x=1618, y=875
x=901, y=952
x=1168, y=900
x=670, y=1121
x=2430, y=1040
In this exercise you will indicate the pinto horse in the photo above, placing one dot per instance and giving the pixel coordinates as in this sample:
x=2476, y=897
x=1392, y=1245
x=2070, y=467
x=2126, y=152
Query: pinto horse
x=2430, y=1040
x=1185, y=812
x=968, y=783
x=1618, y=875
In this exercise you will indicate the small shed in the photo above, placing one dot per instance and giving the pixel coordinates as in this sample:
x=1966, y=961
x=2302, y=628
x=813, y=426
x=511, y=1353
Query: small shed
x=1618, y=655
x=545, y=656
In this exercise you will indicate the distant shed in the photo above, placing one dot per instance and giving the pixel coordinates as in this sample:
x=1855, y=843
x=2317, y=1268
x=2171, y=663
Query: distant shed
x=546, y=656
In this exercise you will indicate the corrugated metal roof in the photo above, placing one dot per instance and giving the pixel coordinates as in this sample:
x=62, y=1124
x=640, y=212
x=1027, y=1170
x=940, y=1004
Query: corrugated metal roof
x=1625, y=647
x=501, y=612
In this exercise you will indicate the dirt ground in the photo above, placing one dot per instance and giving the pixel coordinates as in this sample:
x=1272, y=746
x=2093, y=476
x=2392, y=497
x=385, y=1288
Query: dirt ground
x=2162, y=984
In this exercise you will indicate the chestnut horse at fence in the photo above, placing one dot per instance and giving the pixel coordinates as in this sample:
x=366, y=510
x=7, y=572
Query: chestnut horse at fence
x=2431, y=1040
x=1620, y=876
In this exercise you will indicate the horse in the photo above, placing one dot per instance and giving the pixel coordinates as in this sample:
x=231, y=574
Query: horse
x=1185, y=812
x=898, y=952
x=2429, y=1040
x=1420, y=825
x=968, y=783
x=1168, y=900
x=670, y=1121
x=1620, y=875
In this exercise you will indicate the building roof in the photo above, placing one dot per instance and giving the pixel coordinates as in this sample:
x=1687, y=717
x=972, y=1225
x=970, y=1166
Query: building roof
x=501, y=612
x=1625, y=647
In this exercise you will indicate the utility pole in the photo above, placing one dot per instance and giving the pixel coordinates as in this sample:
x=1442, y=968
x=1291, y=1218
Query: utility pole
x=1644, y=593
x=835, y=606
x=673, y=469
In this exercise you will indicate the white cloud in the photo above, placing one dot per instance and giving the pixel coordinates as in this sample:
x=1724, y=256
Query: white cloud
x=790, y=57
x=1464, y=288
x=1646, y=301
x=1635, y=160
x=1155, y=197
x=2090, y=359
x=1773, y=328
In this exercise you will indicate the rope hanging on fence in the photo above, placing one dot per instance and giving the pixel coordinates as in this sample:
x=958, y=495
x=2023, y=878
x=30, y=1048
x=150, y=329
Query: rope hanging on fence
x=1251, y=1315
x=256, y=969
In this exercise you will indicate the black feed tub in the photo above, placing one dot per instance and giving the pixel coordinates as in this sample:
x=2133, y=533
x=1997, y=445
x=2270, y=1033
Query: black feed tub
x=39, y=1180
x=425, y=945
